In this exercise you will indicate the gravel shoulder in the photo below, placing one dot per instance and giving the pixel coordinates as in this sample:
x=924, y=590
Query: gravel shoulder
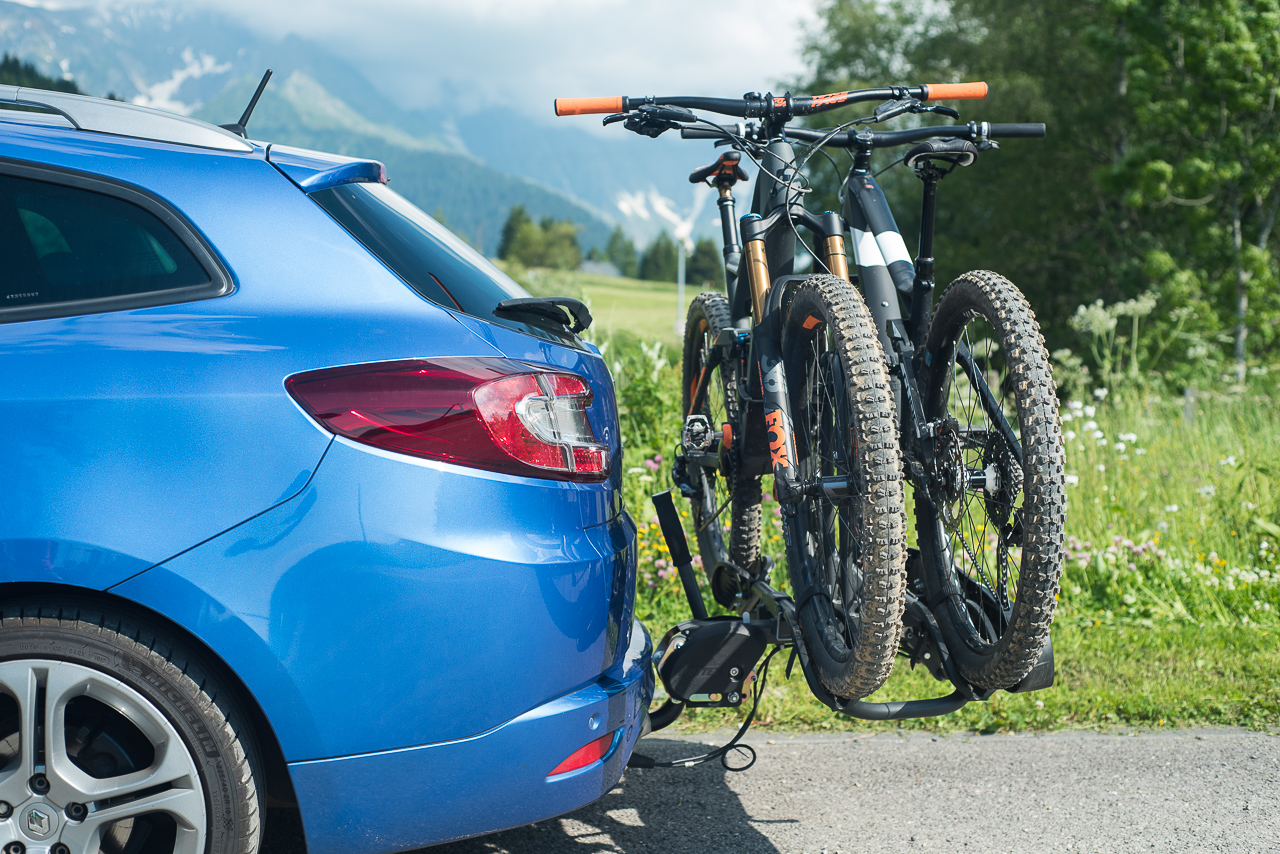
x=1190, y=790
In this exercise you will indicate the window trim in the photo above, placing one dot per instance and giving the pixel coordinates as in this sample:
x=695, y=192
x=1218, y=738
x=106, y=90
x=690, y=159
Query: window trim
x=221, y=281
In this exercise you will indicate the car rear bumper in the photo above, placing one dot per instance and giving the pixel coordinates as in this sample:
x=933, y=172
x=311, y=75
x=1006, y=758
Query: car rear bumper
x=402, y=799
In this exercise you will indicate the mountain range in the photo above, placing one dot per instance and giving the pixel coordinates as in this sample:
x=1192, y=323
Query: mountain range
x=468, y=168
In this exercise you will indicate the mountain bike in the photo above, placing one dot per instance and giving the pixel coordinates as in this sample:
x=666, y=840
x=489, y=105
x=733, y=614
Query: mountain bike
x=845, y=384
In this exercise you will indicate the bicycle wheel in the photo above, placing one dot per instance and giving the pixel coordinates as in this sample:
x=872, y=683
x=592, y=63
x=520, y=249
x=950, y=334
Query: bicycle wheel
x=720, y=491
x=847, y=556
x=991, y=525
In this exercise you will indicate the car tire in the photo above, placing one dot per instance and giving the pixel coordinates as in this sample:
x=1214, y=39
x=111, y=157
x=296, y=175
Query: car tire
x=143, y=750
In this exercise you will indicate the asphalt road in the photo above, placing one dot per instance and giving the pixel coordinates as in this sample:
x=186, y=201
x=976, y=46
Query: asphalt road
x=1188, y=791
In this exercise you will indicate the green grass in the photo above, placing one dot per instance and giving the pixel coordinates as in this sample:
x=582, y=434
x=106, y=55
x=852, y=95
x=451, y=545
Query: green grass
x=1170, y=607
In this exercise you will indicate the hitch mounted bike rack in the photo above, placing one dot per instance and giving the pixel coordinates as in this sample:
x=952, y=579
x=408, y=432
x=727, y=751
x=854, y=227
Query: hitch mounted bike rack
x=709, y=657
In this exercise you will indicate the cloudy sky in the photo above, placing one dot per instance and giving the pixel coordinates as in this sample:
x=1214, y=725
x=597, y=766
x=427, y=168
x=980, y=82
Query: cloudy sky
x=527, y=52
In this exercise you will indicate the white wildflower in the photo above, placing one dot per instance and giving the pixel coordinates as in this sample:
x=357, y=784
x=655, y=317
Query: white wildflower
x=1101, y=467
x=1075, y=405
x=1208, y=490
x=1128, y=437
x=1119, y=446
x=1073, y=480
x=1090, y=425
x=1070, y=435
x=1090, y=411
x=1139, y=451
x=1100, y=393
x=1171, y=508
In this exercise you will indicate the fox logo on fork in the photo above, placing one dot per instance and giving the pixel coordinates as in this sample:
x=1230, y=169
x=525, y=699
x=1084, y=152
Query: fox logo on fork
x=776, y=422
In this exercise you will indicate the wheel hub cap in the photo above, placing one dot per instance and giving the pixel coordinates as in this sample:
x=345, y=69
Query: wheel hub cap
x=39, y=822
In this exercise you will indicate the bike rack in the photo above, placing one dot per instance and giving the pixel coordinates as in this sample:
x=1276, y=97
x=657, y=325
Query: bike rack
x=784, y=633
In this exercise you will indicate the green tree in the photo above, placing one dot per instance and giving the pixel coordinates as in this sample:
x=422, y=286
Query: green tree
x=658, y=264
x=515, y=219
x=621, y=252
x=1034, y=210
x=705, y=266
x=560, y=249
x=1202, y=173
x=15, y=72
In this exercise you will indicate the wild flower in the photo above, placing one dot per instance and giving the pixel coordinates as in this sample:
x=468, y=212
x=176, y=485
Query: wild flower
x=1100, y=393
x=1208, y=490
x=1102, y=467
x=1073, y=480
x=1128, y=437
x=1248, y=505
x=1139, y=451
x=1227, y=461
x=1089, y=412
x=1090, y=426
x=1070, y=435
x=1171, y=508
x=1119, y=446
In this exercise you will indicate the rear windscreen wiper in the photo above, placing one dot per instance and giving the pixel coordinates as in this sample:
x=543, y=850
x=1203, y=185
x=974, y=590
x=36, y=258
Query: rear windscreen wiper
x=563, y=311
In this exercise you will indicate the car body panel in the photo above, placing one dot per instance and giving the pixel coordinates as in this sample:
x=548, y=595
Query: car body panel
x=411, y=602
x=389, y=801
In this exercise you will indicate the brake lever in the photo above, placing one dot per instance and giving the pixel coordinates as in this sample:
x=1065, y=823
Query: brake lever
x=939, y=109
x=653, y=120
x=890, y=109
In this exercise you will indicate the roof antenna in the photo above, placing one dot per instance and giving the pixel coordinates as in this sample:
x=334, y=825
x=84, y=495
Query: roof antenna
x=239, y=127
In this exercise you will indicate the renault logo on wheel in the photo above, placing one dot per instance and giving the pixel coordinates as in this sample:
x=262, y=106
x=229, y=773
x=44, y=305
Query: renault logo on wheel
x=38, y=821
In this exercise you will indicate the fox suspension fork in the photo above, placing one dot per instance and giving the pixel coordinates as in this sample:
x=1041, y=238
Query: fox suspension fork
x=766, y=306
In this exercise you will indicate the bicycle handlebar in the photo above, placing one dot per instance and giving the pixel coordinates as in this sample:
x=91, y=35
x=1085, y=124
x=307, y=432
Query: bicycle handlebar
x=755, y=105
x=887, y=139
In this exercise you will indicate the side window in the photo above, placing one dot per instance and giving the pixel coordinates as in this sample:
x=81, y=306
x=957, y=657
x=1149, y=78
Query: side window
x=63, y=244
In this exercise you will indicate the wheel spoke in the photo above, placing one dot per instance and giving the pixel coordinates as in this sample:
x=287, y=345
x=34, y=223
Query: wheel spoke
x=185, y=806
x=25, y=683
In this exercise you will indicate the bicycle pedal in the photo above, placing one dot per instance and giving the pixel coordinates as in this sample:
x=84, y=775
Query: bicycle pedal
x=697, y=435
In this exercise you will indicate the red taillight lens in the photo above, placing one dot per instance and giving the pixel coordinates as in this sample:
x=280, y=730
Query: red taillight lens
x=584, y=756
x=485, y=413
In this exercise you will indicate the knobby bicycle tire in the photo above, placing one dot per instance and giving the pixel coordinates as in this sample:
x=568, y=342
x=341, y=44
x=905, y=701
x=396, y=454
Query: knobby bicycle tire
x=847, y=558
x=708, y=315
x=991, y=525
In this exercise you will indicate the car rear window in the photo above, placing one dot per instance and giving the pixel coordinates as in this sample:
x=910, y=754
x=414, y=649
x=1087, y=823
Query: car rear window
x=427, y=256
x=61, y=244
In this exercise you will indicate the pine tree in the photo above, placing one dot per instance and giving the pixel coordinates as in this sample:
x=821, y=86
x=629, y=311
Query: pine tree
x=15, y=72
x=517, y=218
x=621, y=252
x=659, y=262
x=706, y=265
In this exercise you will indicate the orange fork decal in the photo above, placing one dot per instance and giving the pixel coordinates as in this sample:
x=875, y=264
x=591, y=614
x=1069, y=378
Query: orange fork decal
x=776, y=423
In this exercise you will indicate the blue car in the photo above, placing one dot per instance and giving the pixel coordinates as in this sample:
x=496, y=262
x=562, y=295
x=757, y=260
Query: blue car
x=304, y=502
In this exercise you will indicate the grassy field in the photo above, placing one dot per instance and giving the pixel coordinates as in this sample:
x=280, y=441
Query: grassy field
x=644, y=309
x=1170, y=607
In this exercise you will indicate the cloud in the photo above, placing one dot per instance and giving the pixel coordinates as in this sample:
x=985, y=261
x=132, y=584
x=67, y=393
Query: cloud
x=524, y=53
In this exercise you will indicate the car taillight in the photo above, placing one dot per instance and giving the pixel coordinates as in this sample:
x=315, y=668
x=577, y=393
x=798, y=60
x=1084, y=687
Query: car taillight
x=486, y=413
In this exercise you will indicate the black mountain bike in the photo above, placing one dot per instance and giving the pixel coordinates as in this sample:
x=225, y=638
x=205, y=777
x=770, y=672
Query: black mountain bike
x=844, y=384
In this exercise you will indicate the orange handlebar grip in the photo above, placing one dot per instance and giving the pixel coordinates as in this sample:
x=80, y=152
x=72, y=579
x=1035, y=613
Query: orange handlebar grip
x=956, y=91
x=583, y=106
